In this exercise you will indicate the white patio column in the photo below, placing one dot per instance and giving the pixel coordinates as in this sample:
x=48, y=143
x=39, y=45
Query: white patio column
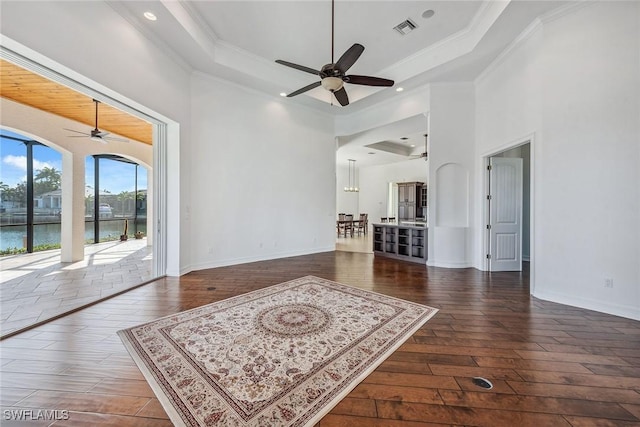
x=73, y=188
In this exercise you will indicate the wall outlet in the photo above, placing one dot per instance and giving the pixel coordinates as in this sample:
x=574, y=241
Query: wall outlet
x=608, y=283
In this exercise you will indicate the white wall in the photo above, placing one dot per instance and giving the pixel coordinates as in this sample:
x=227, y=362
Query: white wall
x=574, y=84
x=451, y=148
x=262, y=176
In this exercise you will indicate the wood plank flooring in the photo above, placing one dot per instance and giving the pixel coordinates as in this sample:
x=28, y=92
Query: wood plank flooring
x=550, y=364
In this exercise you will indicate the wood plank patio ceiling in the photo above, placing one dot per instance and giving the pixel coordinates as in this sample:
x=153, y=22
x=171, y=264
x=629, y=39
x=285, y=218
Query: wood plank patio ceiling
x=27, y=88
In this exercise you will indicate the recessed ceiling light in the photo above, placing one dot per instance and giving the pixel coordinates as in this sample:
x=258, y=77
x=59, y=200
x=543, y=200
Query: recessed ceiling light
x=283, y=94
x=371, y=152
x=150, y=16
x=404, y=138
x=399, y=89
x=428, y=13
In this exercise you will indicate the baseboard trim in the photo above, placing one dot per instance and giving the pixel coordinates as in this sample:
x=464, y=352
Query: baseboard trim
x=626, y=311
x=449, y=264
x=243, y=260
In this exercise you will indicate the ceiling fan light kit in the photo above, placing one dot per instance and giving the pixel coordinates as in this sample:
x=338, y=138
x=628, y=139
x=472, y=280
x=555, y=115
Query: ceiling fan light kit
x=333, y=75
x=332, y=83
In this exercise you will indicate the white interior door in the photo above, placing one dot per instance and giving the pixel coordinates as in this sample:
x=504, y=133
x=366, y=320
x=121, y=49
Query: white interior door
x=505, y=213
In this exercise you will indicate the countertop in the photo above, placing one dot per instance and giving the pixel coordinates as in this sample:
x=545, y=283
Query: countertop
x=411, y=224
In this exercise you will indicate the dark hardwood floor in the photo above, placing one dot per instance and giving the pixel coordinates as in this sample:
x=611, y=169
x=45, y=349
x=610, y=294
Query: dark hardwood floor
x=550, y=364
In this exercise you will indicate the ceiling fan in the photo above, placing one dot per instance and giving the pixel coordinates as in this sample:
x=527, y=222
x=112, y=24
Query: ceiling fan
x=96, y=134
x=424, y=155
x=333, y=75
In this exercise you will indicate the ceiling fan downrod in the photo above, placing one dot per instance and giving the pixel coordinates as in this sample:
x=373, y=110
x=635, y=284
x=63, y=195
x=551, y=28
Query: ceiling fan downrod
x=96, y=102
x=333, y=14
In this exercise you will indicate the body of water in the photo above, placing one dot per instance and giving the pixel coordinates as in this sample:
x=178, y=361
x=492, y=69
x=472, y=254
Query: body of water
x=14, y=236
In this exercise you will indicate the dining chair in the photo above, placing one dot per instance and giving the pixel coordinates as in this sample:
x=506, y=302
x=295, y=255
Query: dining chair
x=340, y=223
x=361, y=224
x=348, y=224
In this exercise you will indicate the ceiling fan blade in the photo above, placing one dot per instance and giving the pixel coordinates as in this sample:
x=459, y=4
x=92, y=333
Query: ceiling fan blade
x=114, y=138
x=77, y=131
x=368, y=80
x=78, y=136
x=298, y=67
x=349, y=57
x=341, y=96
x=304, y=89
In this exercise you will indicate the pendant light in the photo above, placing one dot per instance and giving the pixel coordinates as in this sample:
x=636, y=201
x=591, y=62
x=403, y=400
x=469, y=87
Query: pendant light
x=352, y=188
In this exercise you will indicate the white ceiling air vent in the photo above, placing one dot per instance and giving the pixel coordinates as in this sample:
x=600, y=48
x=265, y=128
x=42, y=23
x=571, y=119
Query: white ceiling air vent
x=405, y=27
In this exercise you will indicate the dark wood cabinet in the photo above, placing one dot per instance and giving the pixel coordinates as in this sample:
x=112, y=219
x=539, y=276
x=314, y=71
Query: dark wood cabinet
x=405, y=242
x=410, y=201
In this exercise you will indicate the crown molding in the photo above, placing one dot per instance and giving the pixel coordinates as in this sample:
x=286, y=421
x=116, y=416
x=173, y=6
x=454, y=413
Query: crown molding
x=529, y=31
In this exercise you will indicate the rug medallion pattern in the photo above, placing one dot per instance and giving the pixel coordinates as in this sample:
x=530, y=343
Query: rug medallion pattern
x=279, y=356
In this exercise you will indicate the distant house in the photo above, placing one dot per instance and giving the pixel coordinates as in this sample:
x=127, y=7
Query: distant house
x=51, y=200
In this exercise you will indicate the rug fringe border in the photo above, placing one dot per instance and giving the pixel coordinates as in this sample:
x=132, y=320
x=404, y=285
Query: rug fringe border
x=167, y=405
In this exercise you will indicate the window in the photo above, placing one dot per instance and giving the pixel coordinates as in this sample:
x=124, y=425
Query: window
x=116, y=191
x=30, y=197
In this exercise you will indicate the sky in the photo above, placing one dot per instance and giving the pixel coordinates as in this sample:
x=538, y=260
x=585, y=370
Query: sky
x=115, y=177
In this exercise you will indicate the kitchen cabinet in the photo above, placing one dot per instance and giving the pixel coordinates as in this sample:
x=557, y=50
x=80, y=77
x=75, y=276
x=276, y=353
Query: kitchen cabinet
x=400, y=241
x=410, y=202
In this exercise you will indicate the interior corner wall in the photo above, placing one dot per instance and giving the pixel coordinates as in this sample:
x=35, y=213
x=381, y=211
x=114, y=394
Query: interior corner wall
x=574, y=83
x=262, y=174
x=96, y=43
x=451, y=141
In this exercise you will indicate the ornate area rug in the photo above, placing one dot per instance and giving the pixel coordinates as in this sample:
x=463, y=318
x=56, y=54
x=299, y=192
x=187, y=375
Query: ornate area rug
x=280, y=356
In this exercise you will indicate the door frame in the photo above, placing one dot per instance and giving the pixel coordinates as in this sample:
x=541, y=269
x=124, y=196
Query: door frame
x=484, y=208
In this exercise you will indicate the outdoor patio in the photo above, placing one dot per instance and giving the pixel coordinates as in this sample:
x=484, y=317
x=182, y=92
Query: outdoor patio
x=37, y=287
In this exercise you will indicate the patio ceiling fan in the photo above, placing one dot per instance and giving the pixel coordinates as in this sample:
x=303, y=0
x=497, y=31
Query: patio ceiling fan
x=96, y=134
x=333, y=75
